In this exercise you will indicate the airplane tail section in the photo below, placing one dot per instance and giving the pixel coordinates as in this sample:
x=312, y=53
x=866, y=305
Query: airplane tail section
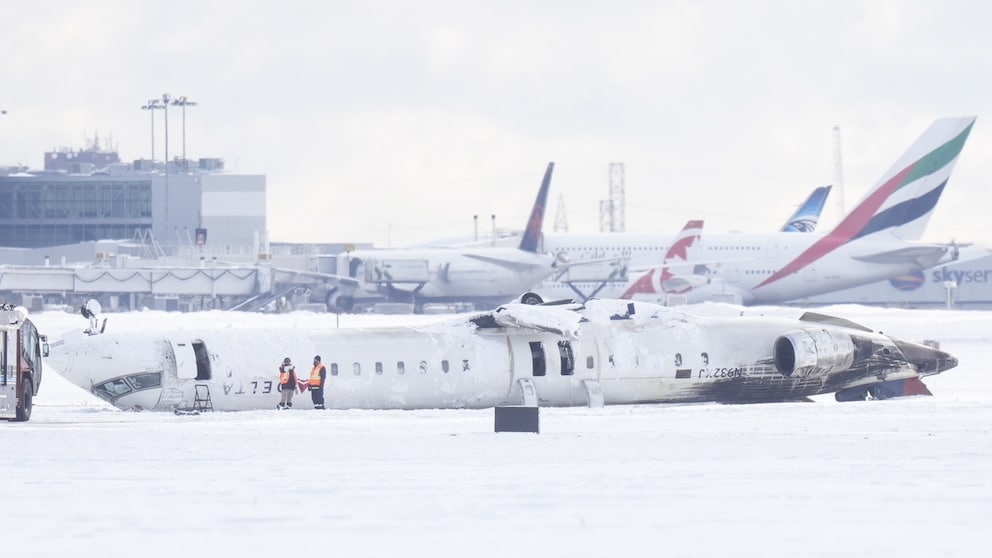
x=904, y=198
x=663, y=280
x=808, y=214
x=532, y=233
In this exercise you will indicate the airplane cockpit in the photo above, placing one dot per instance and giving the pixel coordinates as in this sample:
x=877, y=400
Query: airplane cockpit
x=115, y=388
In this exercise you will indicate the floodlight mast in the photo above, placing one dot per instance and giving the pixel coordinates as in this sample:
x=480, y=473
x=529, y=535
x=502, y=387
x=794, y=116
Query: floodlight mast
x=184, y=102
x=151, y=106
x=165, y=103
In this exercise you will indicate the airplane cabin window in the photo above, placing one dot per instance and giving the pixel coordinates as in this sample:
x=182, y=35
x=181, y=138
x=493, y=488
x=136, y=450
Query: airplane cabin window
x=444, y=366
x=378, y=368
x=567, y=358
x=423, y=367
x=465, y=366
x=334, y=369
x=590, y=362
x=400, y=367
x=705, y=357
x=357, y=368
x=678, y=359
x=537, y=358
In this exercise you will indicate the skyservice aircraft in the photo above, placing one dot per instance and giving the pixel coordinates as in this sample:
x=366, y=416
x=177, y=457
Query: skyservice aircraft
x=564, y=354
x=485, y=275
x=876, y=240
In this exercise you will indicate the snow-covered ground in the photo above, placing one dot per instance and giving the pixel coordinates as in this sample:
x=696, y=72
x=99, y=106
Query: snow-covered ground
x=910, y=477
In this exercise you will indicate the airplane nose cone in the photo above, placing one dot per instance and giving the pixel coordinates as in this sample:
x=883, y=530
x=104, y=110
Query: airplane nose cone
x=57, y=357
x=927, y=359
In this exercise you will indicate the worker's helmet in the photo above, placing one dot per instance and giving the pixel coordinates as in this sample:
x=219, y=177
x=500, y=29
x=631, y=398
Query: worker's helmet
x=286, y=360
x=316, y=358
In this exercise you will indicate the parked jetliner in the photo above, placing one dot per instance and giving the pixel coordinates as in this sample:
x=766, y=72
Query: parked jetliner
x=682, y=269
x=877, y=240
x=599, y=352
x=485, y=275
x=807, y=216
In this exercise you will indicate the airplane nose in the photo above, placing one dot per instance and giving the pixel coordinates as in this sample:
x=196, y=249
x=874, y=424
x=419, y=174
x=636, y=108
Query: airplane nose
x=927, y=359
x=57, y=357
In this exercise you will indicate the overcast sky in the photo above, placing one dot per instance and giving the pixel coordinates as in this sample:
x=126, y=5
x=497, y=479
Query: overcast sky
x=397, y=121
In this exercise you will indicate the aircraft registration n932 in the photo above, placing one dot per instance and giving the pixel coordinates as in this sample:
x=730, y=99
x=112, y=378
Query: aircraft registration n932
x=551, y=354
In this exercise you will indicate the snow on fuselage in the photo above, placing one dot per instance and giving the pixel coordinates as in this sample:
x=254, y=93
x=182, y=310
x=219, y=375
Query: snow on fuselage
x=655, y=354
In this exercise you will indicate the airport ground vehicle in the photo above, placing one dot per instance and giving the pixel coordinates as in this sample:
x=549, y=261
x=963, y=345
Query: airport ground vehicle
x=21, y=351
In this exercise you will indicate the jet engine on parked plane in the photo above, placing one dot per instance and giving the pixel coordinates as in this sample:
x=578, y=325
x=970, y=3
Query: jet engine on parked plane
x=813, y=352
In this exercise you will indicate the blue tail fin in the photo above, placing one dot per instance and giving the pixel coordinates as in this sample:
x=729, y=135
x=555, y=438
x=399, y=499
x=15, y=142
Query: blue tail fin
x=532, y=234
x=808, y=214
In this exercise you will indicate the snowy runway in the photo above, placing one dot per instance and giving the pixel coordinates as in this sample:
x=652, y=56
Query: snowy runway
x=905, y=477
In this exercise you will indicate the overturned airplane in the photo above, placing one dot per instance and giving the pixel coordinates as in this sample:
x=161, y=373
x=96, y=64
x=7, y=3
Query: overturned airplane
x=555, y=354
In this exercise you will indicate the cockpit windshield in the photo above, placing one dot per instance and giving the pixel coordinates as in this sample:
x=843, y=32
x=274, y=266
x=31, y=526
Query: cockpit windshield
x=113, y=389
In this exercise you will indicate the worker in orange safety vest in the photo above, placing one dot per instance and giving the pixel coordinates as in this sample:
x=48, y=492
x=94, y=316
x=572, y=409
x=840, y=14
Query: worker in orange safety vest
x=317, y=376
x=287, y=383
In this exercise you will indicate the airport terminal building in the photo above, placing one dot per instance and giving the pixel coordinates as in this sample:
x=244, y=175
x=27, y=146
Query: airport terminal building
x=187, y=235
x=89, y=195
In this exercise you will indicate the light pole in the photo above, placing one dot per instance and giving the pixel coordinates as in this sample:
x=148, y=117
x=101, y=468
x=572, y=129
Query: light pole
x=151, y=107
x=165, y=105
x=184, y=102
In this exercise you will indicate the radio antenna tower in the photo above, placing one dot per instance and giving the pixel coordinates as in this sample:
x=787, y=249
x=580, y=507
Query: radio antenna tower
x=561, y=220
x=618, y=199
x=838, y=175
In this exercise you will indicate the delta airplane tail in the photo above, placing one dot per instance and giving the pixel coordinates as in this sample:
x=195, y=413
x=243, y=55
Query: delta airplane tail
x=532, y=233
x=807, y=216
x=663, y=280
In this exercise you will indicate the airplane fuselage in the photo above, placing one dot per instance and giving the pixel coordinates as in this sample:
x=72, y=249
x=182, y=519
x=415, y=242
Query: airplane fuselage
x=487, y=276
x=655, y=355
x=745, y=263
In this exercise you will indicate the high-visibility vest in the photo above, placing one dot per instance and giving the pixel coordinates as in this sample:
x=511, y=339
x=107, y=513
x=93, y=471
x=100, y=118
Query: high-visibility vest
x=284, y=376
x=315, y=375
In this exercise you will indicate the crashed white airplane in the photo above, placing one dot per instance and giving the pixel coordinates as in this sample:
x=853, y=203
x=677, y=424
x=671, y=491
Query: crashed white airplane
x=599, y=352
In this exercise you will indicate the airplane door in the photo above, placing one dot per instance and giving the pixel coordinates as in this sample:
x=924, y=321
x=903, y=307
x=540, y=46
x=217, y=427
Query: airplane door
x=185, y=359
x=550, y=364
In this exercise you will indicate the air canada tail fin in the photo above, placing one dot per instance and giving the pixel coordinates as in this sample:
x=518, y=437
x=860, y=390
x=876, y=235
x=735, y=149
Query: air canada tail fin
x=660, y=279
x=532, y=233
x=808, y=215
x=904, y=198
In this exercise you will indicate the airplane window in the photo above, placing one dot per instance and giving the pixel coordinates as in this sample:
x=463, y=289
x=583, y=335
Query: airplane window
x=444, y=366
x=378, y=368
x=113, y=389
x=400, y=367
x=567, y=358
x=423, y=367
x=145, y=381
x=590, y=362
x=537, y=358
x=357, y=368
x=465, y=365
x=334, y=369
x=706, y=358
x=678, y=359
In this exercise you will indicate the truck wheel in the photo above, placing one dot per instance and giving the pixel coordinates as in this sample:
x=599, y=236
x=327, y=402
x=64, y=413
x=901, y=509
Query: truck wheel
x=346, y=303
x=24, y=405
